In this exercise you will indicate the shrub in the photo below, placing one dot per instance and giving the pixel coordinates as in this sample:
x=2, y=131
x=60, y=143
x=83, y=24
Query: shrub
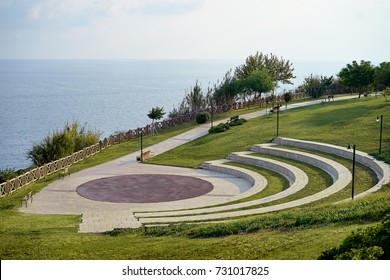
x=237, y=122
x=222, y=127
x=202, y=117
x=7, y=174
x=369, y=244
x=62, y=143
x=10, y=173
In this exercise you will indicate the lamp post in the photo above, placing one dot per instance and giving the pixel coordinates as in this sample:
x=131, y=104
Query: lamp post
x=380, y=134
x=353, y=146
x=277, y=121
x=212, y=114
x=142, y=133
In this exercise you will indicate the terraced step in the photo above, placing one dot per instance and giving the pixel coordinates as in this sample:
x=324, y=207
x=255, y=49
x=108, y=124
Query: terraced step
x=106, y=221
x=381, y=169
x=296, y=177
x=339, y=173
x=258, y=181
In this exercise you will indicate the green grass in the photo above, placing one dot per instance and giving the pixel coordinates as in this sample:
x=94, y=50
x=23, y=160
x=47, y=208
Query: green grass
x=339, y=123
x=270, y=236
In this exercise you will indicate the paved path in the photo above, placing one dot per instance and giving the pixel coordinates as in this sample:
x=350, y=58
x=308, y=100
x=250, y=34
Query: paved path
x=60, y=196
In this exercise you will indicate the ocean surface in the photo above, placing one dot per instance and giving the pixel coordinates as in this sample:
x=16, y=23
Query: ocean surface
x=38, y=97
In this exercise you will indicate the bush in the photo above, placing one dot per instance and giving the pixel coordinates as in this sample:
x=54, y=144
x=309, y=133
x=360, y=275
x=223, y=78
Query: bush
x=10, y=173
x=62, y=143
x=237, y=122
x=202, y=117
x=7, y=174
x=369, y=244
x=222, y=127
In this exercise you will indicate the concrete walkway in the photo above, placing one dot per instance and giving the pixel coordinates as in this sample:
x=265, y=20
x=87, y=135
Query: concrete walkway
x=60, y=196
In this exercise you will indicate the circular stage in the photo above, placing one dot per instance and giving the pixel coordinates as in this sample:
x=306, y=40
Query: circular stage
x=144, y=188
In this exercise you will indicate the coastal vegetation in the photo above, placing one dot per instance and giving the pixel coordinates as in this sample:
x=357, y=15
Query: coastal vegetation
x=261, y=74
x=62, y=143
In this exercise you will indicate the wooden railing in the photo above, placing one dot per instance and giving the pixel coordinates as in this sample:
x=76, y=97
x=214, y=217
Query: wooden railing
x=57, y=165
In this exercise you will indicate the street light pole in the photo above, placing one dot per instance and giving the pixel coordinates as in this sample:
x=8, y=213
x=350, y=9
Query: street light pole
x=380, y=134
x=212, y=114
x=353, y=146
x=142, y=133
x=277, y=121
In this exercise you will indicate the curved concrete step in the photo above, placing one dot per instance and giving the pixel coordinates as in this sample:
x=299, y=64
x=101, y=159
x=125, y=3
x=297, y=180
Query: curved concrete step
x=381, y=169
x=339, y=173
x=296, y=177
x=259, y=181
x=334, y=169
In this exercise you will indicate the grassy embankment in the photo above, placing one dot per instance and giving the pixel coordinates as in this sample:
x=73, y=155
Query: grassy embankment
x=293, y=234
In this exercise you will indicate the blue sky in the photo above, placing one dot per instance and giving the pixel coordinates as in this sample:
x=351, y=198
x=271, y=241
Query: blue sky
x=195, y=29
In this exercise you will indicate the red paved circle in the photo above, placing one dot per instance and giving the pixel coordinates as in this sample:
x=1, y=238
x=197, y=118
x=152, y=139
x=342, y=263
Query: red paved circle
x=146, y=188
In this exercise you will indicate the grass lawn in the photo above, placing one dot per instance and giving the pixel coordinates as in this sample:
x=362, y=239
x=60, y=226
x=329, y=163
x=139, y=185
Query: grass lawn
x=293, y=234
x=339, y=123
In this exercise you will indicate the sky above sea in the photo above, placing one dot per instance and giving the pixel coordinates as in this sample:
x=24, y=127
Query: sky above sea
x=312, y=30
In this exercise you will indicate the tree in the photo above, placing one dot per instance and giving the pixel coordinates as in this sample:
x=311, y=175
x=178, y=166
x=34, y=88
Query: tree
x=358, y=76
x=181, y=110
x=195, y=99
x=287, y=98
x=316, y=86
x=257, y=82
x=337, y=87
x=382, y=75
x=281, y=70
x=227, y=90
x=156, y=114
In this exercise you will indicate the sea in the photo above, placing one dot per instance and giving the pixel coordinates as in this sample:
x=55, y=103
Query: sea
x=38, y=97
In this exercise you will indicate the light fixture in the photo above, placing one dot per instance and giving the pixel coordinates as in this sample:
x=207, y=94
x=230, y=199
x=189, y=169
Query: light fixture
x=353, y=146
x=380, y=118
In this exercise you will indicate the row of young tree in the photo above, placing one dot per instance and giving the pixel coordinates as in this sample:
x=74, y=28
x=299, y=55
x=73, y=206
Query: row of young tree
x=355, y=77
x=260, y=74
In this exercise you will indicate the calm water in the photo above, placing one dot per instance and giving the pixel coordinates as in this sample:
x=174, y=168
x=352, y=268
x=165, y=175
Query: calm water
x=40, y=96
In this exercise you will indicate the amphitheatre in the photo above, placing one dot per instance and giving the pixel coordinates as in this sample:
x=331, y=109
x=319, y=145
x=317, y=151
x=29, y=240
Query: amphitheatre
x=123, y=193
